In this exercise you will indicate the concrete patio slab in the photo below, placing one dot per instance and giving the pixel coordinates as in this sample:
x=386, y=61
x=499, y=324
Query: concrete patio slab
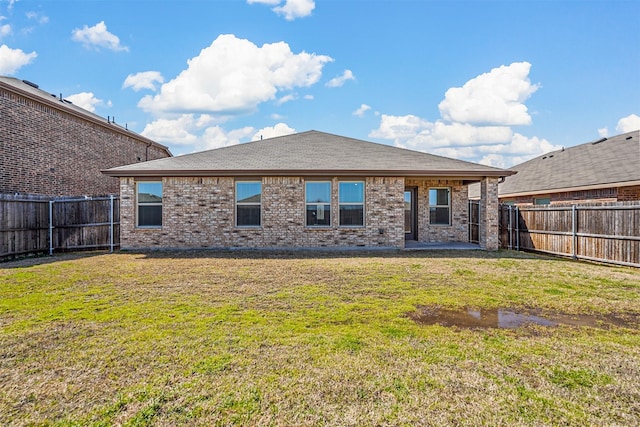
x=412, y=245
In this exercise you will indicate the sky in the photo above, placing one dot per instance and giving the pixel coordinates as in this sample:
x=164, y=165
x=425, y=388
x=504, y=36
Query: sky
x=493, y=82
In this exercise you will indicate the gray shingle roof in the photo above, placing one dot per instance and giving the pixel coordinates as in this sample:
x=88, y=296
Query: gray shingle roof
x=309, y=152
x=608, y=161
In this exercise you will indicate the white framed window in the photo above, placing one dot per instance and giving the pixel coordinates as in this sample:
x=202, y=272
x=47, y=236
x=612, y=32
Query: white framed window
x=351, y=201
x=149, y=204
x=248, y=203
x=318, y=203
x=440, y=206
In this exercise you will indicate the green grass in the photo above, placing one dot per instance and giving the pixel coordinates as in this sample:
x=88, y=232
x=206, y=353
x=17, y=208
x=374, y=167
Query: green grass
x=251, y=338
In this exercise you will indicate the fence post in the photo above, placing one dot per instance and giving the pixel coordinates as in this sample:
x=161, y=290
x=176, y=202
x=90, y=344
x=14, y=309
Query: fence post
x=111, y=223
x=574, y=231
x=517, y=228
x=510, y=227
x=51, y=202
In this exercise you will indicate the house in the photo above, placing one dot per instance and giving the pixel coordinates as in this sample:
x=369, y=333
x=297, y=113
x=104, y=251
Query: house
x=606, y=170
x=309, y=189
x=49, y=146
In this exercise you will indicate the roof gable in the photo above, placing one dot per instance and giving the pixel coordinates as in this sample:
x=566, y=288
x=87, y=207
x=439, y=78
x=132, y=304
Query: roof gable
x=308, y=153
x=606, y=161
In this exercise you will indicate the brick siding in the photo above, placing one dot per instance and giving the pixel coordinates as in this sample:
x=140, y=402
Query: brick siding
x=600, y=195
x=458, y=230
x=489, y=214
x=200, y=213
x=46, y=150
x=629, y=194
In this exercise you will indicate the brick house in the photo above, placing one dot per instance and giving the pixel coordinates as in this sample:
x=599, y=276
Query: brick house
x=52, y=147
x=606, y=170
x=310, y=189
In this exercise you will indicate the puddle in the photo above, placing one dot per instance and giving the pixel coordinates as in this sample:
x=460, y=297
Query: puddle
x=512, y=319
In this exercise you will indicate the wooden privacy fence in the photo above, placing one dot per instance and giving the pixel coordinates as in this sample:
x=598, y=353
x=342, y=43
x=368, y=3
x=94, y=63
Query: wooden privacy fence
x=32, y=224
x=606, y=233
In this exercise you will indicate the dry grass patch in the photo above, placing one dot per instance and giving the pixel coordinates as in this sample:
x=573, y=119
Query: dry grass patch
x=266, y=338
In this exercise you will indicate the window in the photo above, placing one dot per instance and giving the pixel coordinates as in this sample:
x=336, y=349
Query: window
x=351, y=203
x=248, y=203
x=439, y=206
x=542, y=201
x=149, y=198
x=318, y=203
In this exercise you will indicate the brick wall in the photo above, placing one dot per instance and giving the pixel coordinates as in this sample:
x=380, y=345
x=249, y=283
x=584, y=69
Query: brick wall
x=458, y=231
x=629, y=194
x=46, y=150
x=600, y=195
x=489, y=214
x=200, y=213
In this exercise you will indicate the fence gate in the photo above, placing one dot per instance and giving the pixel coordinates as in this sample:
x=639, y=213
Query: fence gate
x=474, y=221
x=35, y=224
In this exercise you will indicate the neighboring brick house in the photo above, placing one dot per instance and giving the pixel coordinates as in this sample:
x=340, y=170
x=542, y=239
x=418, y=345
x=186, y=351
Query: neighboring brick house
x=310, y=189
x=606, y=170
x=51, y=147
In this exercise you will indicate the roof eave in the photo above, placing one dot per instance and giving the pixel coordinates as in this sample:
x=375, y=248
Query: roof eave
x=459, y=174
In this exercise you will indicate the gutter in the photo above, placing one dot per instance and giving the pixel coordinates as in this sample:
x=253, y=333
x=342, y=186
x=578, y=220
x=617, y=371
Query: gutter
x=435, y=174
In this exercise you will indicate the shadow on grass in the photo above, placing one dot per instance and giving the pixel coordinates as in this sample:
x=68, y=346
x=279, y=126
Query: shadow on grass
x=333, y=254
x=287, y=254
x=32, y=260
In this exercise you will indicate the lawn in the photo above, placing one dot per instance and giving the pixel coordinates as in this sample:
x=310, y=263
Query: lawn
x=284, y=339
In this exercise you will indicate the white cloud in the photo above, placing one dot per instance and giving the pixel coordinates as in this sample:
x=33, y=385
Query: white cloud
x=96, y=37
x=195, y=132
x=173, y=131
x=216, y=137
x=628, y=124
x=491, y=145
x=416, y=133
x=234, y=75
x=341, y=80
x=86, y=100
x=603, y=132
x=11, y=60
x=280, y=129
x=470, y=131
x=361, y=110
x=38, y=17
x=5, y=30
x=496, y=97
x=291, y=9
x=399, y=128
x=143, y=80
x=267, y=2
x=287, y=98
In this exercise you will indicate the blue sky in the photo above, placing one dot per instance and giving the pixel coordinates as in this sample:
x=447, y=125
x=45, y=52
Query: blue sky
x=495, y=82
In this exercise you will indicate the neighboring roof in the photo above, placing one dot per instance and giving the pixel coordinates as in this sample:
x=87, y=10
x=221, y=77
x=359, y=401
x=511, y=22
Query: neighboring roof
x=309, y=153
x=603, y=163
x=32, y=91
